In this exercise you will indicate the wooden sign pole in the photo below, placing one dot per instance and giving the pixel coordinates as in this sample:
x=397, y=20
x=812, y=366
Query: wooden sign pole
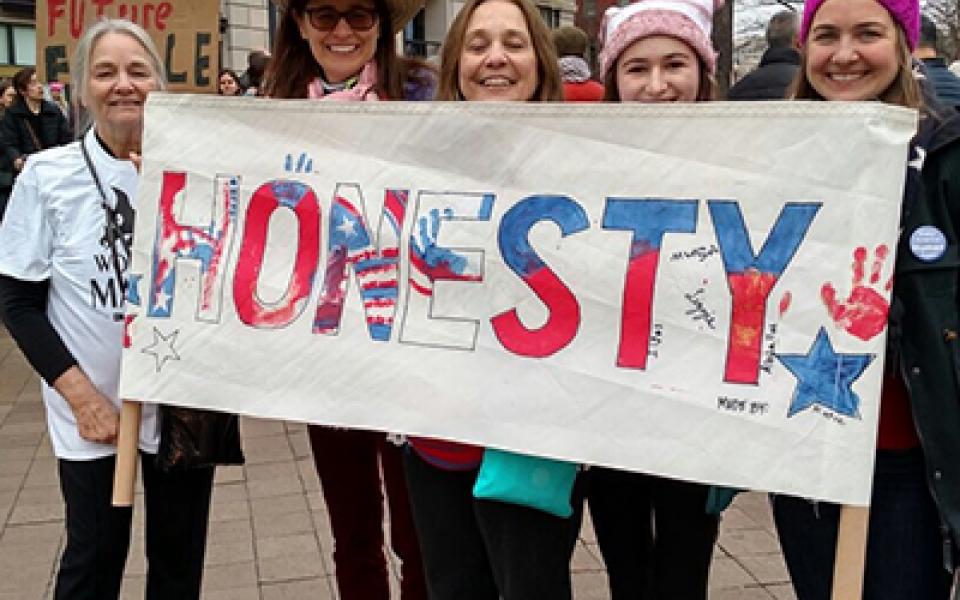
x=851, y=553
x=128, y=443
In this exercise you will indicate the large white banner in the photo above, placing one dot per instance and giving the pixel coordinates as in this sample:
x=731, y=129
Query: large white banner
x=693, y=291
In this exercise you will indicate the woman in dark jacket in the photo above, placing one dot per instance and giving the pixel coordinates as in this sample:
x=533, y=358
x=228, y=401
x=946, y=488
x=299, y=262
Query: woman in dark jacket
x=7, y=97
x=914, y=523
x=32, y=124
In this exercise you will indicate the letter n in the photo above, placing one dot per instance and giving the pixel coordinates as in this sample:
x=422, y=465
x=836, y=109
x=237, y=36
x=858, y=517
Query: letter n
x=376, y=270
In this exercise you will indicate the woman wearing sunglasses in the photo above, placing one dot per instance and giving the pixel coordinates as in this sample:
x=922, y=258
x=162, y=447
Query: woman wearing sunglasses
x=344, y=50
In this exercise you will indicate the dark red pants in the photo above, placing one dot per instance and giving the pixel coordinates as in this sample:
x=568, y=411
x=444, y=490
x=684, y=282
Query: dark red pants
x=349, y=463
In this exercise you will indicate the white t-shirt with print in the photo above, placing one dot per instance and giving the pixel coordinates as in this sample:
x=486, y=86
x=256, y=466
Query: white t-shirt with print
x=55, y=229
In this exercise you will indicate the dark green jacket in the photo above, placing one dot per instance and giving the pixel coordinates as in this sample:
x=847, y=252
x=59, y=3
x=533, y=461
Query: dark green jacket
x=925, y=316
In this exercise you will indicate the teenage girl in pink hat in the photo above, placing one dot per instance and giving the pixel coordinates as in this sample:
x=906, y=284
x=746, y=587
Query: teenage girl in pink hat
x=655, y=534
x=860, y=50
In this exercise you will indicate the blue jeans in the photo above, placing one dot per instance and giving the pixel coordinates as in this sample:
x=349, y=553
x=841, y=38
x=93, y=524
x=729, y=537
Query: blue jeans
x=905, y=547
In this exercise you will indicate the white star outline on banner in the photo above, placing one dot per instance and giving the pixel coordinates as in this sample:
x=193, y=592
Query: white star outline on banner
x=163, y=300
x=162, y=347
x=346, y=227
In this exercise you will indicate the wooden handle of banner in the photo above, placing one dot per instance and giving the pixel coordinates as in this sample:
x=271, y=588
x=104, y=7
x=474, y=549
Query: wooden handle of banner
x=851, y=553
x=128, y=443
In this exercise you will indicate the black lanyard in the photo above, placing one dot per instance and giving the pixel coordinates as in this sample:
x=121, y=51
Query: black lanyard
x=113, y=231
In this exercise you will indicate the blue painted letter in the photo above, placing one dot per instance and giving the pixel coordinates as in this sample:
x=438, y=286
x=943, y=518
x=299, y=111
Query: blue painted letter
x=649, y=219
x=564, y=318
x=751, y=277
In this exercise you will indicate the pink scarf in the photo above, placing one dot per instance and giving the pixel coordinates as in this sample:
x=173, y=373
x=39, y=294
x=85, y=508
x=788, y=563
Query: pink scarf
x=363, y=89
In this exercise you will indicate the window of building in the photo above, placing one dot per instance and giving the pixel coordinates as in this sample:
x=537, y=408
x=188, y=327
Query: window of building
x=590, y=8
x=414, y=38
x=18, y=45
x=551, y=16
x=272, y=20
x=4, y=46
x=24, y=45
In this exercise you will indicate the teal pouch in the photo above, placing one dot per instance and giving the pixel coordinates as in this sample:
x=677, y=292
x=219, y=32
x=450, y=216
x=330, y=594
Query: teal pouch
x=719, y=498
x=531, y=481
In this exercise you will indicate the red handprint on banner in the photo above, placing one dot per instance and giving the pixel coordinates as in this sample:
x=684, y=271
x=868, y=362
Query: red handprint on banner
x=864, y=313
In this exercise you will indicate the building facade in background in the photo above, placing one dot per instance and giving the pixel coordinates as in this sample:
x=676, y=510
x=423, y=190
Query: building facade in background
x=248, y=25
x=589, y=16
x=424, y=34
x=18, y=40
x=245, y=25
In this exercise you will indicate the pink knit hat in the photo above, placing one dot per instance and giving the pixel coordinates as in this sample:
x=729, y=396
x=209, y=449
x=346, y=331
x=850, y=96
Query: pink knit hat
x=690, y=21
x=904, y=12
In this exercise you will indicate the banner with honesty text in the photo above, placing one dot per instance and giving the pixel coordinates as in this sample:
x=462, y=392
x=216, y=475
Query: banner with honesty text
x=693, y=291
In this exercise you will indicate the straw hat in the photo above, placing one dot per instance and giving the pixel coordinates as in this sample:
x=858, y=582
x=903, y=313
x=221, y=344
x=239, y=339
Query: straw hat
x=401, y=11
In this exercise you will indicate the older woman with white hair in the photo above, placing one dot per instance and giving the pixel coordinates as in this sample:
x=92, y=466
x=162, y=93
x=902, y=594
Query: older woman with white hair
x=64, y=251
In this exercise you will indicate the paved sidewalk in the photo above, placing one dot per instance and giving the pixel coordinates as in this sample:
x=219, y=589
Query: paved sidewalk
x=269, y=535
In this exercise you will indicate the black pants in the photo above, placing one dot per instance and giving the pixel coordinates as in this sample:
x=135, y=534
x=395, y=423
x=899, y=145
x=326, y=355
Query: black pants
x=484, y=550
x=98, y=535
x=654, y=533
x=4, y=199
x=905, y=547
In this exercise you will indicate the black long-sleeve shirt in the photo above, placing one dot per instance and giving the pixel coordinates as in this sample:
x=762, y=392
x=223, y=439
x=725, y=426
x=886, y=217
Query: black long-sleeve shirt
x=23, y=306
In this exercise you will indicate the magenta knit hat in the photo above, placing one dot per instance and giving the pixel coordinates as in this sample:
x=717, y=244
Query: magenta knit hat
x=690, y=21
x=904, y=12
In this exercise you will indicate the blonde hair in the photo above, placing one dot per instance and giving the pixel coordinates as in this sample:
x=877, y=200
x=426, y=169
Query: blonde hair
x=549, y=83
x=80, y=66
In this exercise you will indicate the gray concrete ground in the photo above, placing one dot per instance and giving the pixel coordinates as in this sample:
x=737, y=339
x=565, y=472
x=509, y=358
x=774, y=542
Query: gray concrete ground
x=269, y=533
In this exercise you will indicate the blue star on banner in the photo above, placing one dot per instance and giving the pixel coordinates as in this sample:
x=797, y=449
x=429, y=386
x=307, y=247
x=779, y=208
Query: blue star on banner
x=825, y=377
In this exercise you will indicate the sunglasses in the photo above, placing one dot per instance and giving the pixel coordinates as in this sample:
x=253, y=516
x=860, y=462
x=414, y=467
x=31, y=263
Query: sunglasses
x=324, y=18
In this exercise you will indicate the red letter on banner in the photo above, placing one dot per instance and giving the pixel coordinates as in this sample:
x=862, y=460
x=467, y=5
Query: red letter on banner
x=267, y=199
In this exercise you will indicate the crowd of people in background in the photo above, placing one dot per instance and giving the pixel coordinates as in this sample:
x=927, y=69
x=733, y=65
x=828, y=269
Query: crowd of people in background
x=656, y=534
x=248, y=84
x=35, y=117
x=30, y=123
